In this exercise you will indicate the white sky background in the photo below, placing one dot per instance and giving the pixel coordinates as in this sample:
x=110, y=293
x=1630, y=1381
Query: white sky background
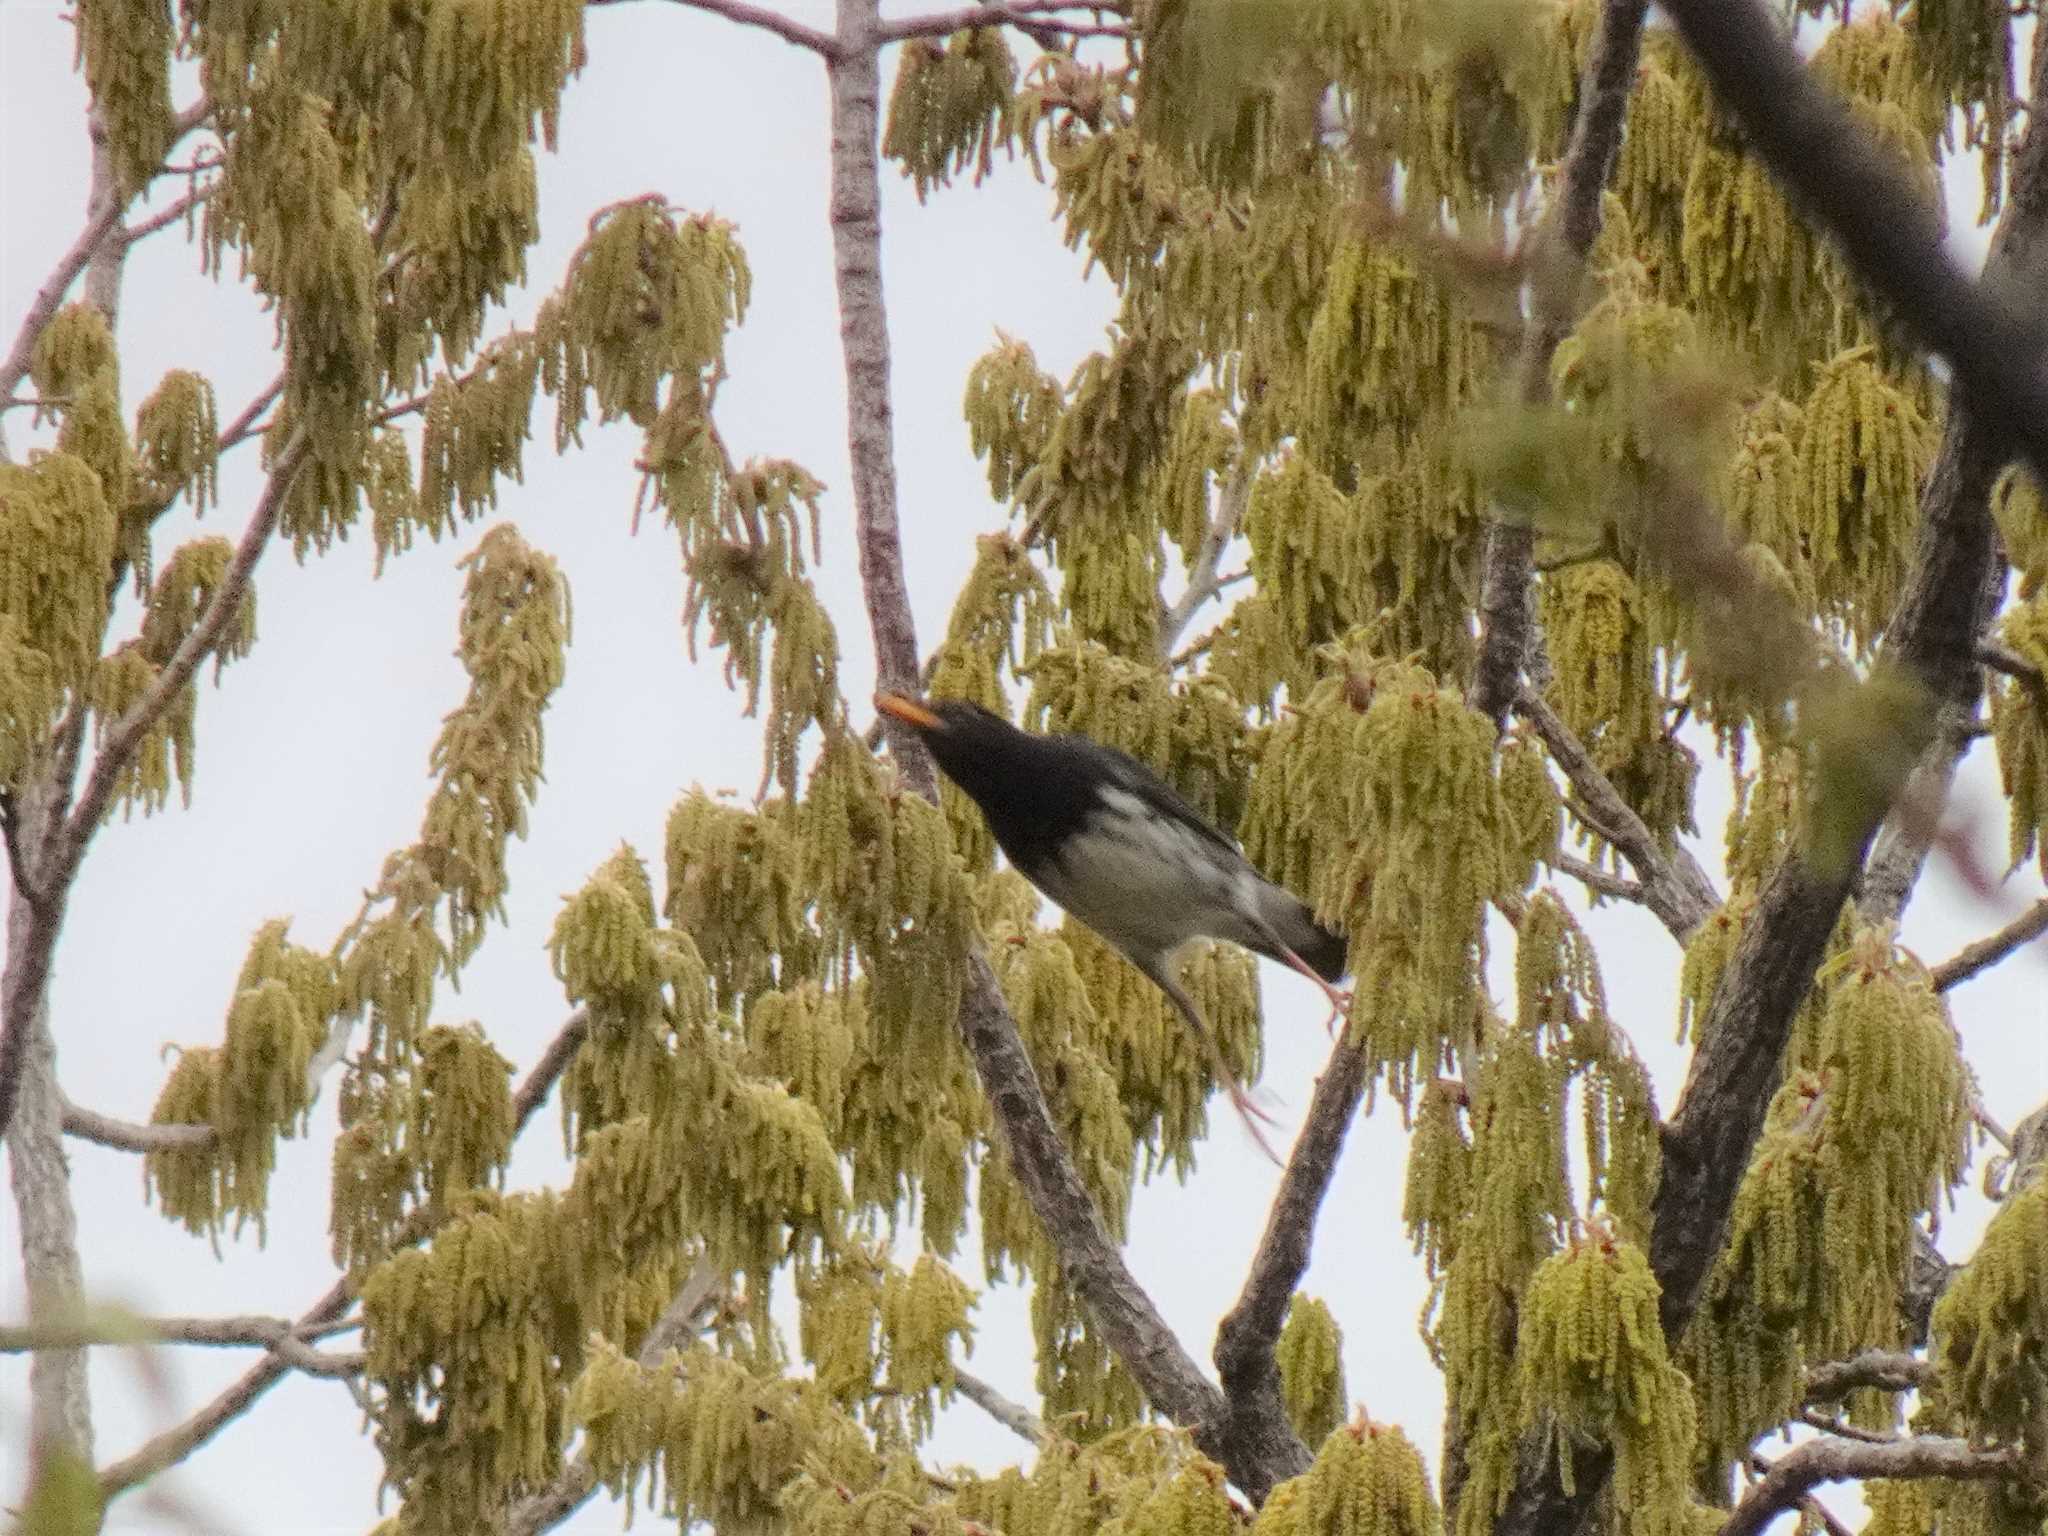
x=312, y=754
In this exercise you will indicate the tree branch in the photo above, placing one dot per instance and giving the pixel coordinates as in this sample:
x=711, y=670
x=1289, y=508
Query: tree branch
x=1255, y=1456
x=212, y=1332
x=1805, y=1467
x=132, y=1136
x=1013, y=1416
x=790, y=31
x=1033, y=16
x=170, y=215
x=28, y=971
x=1987, y=952
x=1600, y=881
x=1674, y=886
x=578, y=1480
x=1890, y=235
x=1203, y=583
x=1883, y=1369
x=1558, y=258
x=104, y=213
x=1248, y=1332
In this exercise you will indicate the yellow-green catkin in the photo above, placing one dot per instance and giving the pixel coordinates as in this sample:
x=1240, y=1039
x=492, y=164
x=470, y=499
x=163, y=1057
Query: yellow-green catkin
x=1367, y=1480
x=2019, y=722
x=949, y=108
x=1593, y=1365
x=1310, y=1354
x=250, y=1090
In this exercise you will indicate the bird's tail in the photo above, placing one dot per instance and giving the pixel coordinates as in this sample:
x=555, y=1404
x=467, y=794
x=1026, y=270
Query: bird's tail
x=1327, y=952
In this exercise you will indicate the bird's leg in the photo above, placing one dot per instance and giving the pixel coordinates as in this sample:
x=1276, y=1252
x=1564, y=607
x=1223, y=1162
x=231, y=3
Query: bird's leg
x=1340, y=1000
x=1248, y=1111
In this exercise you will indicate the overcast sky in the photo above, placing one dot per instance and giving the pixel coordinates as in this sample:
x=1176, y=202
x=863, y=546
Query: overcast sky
x=312, y=753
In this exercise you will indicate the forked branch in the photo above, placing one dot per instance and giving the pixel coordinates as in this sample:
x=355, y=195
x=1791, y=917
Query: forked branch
x=1804, y=1468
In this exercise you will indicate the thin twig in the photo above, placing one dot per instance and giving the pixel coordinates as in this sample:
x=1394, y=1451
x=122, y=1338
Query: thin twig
x=1673, y=887
x=58, y=862
x=1987, y=952
x=245, y=424
x=1013, y=1416
x=170, y=215
x=1031, y=17
x=1232, y=497
x=578, y=1480
x=790, y=31
x=272, y=1333
x=1806, y=1467
x=1601, y=881
x=1560, y=247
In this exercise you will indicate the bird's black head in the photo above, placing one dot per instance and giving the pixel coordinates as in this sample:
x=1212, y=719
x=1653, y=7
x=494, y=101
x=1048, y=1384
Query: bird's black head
x=953, y=729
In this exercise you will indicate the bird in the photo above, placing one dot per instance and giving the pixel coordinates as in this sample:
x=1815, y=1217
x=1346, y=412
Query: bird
x=1112, y=843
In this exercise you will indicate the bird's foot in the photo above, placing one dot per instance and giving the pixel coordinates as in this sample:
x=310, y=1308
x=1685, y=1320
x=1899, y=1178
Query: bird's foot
x=1254, y=1115
x=1340, y=1000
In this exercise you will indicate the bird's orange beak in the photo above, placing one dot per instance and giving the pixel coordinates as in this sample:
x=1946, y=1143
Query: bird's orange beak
x=909, y=711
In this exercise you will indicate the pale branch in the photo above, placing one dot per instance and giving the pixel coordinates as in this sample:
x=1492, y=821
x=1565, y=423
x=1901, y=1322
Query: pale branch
x=131, y=1136
x=1891, y=235
x=173, y=214
x=1034, y=16
x=761, y=16
x=103, y=215
x=17, y=857
x=212, y=1332
x=62, y=852
x=1257, y=1456
x=856, y=222
x=246, y=424
x=1673, y=885
x=1805, y=1467
x=1600, y=881
x=1203, y=583
x=1246, y=1337
x=1987, y=952
x=578, y=1480
x=1884, y=1370
x=1013, y=1416
x=1561, y=244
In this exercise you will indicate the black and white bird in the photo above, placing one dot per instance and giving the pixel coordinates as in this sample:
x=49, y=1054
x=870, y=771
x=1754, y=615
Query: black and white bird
x=1111, y=842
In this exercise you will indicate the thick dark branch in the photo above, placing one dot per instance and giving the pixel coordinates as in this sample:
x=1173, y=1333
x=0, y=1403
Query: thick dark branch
x=554, y=1061
x=760, y=16
x=1891, y=235
x=1805, y=1467
x=1013, y=1416
x=1673, y=886
x=1245, y=1338
x=1987, y=952
x=1562, y=243
x=59, y=858
x=1885, y=1370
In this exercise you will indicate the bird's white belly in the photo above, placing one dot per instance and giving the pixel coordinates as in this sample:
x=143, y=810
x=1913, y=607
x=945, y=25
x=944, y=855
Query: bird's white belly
x=1141, y=881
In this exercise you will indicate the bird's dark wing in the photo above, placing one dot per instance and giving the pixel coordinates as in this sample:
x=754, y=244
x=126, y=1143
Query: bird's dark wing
x=1126, y=773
